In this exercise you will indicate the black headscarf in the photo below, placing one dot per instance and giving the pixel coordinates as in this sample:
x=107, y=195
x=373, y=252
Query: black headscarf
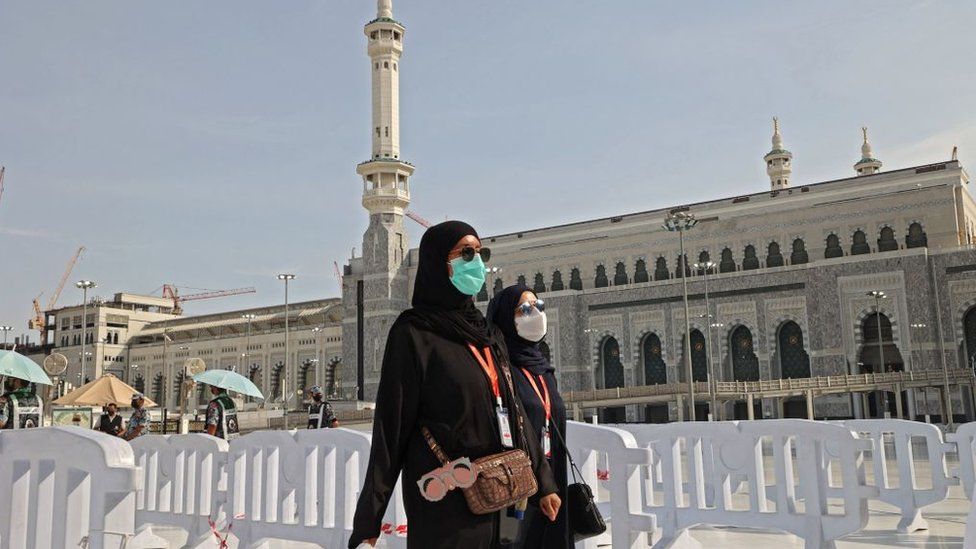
x=436, y=301
x=522, y=352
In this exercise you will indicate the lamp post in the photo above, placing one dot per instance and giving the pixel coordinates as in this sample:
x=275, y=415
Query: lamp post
x=704, y=267
x=878, y=296
x=247, y=337
x=284, y=388
x=680, y=222
x=84, y=285
x=5, y=329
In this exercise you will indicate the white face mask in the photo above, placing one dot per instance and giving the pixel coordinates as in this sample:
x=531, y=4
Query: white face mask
x=532, y=327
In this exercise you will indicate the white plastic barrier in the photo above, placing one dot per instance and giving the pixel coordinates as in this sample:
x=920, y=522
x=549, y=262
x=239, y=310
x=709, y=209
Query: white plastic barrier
x=597, y=448
x=965, y=440
x=184, y=484
x=299, y=486
x=66, y=487
x=905, y=492
x=694, y=458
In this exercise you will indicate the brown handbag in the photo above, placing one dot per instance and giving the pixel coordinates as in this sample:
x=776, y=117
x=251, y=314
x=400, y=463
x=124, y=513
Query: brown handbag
x=504, y=479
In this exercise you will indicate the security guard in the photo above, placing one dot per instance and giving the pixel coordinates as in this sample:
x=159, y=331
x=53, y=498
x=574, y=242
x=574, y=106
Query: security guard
x=320, y=413
x=20, y=408
x=222, y=415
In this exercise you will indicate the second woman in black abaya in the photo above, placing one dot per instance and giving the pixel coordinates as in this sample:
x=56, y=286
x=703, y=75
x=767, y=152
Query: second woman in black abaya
x=430, y=378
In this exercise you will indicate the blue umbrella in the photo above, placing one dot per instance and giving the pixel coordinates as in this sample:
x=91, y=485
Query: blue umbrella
x=13, y=364
x=232, y=381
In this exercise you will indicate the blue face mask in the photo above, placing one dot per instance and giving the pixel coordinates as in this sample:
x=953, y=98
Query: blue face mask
x=469, y=276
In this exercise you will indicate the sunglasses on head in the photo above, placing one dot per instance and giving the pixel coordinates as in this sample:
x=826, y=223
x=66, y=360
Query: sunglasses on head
x=468, y=252
x=527, y=307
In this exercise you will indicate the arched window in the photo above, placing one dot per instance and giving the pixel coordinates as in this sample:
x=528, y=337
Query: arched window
x=620, y=275
x=140, y=383
x=303, y=372
x=916, y=237
x=159, y=387
x=331, y=385
x=640, y=272
x=745, y=363
x=483, y=294
x=613, y=377
x=557, y=282
x=575, y=282
x=749, y=259
x=655, y=370
x=859, y=243
x=546, y=351
x=540, y=284
x=886, y=240
x=703, y=258
x=794, y=361
x=499, y=286
x=833, y=248
x=727, y=264
x=799, y=254
x=773, y=256
x=682, y=262
x=969, y=331
x=601, y=280
x=871, y=359
x=521, y=280
x=699, y=358
x=661, y=269
x=276, y=374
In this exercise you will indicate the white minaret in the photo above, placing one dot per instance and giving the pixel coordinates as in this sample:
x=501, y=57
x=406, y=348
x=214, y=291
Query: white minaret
x=867, y=165
x=778, y=161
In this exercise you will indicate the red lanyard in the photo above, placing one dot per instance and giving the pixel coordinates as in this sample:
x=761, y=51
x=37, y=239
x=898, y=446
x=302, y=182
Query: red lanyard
x=488, y=365
x=543, y=394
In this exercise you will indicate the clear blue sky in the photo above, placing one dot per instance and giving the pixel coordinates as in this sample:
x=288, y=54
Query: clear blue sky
x=213, y=144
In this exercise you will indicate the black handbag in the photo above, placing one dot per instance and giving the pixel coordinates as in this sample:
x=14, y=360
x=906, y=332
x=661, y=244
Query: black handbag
x=585, y=519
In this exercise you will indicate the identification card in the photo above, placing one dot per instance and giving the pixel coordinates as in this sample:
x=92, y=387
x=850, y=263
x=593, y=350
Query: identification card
x=546, y=442
x=504, y=428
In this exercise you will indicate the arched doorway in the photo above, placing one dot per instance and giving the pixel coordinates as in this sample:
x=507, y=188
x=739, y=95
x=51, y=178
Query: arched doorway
x=794, y=362
x=331, y=381
x=699, y=369
x=879, y=354
x=655, y=373
x=745, y=366
x=969, y=337
x=613, y=377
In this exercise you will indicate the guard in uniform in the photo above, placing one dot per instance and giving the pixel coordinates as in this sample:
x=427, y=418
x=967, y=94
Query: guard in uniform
x=320, y=413
x=222, y=415
x=21, y=408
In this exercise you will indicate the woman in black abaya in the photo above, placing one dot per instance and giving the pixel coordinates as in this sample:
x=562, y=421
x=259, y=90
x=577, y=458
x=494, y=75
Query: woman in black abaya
x=520, y=316
x=431, y=378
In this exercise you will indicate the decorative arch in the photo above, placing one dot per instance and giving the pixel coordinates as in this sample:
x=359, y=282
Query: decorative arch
x=774, y=258
x=612, y=376
x=832, y=248
x=682, y=261
x=745, y=363
x=886, y=239
x=539, y=284
x=703, y=257
x=969, y=337
x=859, y=323
x=916, y=237
x=799, y=254
x=575, y=282
x=749, y=259
x=726, y=263
x=521, y=280
x=661, y=271
x=331, y=380
x=640, y=272
x=620, y=275
x=499, y=286
x=601, y=280
x=557, y=281
x=699, y=356
x=140, y=383
x=794, y=361
x=859, y=243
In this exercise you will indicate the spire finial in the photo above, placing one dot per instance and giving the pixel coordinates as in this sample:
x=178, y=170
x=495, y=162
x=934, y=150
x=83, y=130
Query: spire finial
x=775, y=124
x=777, y=138
x=384, y=8
x=864, y=130
x=868, y=164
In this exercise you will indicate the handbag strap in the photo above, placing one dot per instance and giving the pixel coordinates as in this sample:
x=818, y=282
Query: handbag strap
x=515, y=401
x=573, y=469
x=435, y=447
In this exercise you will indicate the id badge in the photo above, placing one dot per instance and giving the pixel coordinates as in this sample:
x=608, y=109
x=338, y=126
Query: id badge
x=546, y=442
x=504, y=428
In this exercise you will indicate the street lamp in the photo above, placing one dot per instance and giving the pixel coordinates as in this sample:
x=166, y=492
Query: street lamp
x=704, y=267
x=878, y=296
x=247, y=338
x=84, y=286
x=680, y=222
x=284, y=388
x=5, y=329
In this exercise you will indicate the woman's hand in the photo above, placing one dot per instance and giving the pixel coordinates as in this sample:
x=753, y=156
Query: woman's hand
x=550, y=506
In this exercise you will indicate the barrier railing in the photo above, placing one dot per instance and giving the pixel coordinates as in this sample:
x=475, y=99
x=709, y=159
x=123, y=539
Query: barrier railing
x=701, y=465
x=964, y=440
x=66, y=487
x=897, y=480
x=184, y=484
x=595, y=449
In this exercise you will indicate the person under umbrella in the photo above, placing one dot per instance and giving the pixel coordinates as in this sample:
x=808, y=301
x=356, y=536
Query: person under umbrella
x=139, y=420
x=521, y=317
x=20, y=407
x=442, y=377
x=222, y=415
x=110, y=422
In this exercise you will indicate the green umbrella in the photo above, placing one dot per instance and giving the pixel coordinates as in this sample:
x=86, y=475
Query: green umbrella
x=232, y=381
x=14, y=364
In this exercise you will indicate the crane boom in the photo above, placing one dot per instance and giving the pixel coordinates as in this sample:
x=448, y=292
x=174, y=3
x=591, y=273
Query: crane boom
x=39, y=322
x=2, y=169
x=420, y=221
x=64, y=278
x=172, y=292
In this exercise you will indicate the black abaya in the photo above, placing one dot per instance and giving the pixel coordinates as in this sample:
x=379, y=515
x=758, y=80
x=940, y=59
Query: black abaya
x=429, y=380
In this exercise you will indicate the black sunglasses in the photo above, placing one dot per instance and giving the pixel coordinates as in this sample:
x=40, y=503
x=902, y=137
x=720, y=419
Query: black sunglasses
x=527, y=307
x=467, y=253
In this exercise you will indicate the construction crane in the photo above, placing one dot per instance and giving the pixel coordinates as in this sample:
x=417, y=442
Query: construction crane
x=172, y=292
x=39, y=322
x=338, y=273
x=420, y=221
